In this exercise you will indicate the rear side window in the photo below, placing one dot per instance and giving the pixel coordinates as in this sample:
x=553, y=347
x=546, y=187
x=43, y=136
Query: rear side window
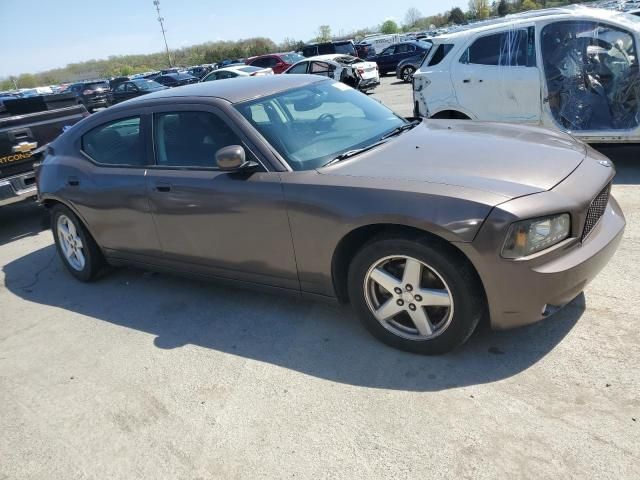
x=299, y=68
x=347, y=48
x=310, y=51
x=264, y=62
x=504, y=49
x=116, y=143
x=326, y=49
x=320, y=68
x=190, y=139
x=440, y=53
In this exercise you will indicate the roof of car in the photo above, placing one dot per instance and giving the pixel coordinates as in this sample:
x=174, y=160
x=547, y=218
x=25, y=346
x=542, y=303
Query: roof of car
x=233, y=90
x=332, y=42
x=237, y=67
x=559, y=13
x=328, y=56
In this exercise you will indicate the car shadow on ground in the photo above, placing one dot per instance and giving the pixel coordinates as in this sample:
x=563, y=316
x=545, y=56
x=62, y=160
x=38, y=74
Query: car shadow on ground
x=323, y=341
x=22, y=220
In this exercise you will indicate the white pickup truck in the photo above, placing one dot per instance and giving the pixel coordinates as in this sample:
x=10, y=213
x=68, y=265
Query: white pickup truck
x=574, y=68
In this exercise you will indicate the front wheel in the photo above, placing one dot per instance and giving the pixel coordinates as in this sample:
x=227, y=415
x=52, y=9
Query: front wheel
x=415, y=296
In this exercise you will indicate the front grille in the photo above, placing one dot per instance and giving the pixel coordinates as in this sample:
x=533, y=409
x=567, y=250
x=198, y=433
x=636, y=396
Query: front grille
x=596, y=210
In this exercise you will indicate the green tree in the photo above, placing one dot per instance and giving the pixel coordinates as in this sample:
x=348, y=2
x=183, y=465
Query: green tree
x=27, y=80
x=529, y=5
x=479, y=9
x=389, y=26
x=324, y=33
x=457, y=16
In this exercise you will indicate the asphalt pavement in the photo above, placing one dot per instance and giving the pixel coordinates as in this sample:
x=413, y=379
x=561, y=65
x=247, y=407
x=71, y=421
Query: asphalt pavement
x=142, y=375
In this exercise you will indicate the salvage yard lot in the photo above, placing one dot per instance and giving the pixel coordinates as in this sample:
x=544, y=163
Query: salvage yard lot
x=145, y=375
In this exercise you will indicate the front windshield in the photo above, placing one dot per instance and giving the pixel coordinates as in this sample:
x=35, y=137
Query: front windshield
x=311, y=125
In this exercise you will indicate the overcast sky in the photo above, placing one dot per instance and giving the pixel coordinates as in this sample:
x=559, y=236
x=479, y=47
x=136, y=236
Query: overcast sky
x=37, y=35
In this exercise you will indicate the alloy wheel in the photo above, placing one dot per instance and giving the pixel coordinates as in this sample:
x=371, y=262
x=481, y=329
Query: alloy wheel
x=408, y=297
x=70, y=243
x=407, y=74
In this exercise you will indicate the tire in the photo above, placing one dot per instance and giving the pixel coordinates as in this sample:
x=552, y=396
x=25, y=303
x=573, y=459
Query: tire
x=452, y=295
x=77, y=239
x=407, y=74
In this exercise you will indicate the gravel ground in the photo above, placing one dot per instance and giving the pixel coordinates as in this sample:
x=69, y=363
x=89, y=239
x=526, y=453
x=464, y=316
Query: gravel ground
x=151, y=376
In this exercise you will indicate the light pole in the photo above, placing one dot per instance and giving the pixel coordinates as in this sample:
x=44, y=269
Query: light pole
x=161, y=20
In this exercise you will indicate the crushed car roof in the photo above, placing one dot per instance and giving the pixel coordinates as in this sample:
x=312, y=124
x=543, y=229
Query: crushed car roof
x=559, y=13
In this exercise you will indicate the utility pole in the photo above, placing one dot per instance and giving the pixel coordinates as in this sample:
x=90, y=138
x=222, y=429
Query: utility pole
x=161, y=20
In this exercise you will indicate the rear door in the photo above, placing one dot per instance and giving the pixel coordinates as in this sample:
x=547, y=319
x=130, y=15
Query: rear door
x=109, y=189
x=497, y=78
x=232, y=225
x=404, y=50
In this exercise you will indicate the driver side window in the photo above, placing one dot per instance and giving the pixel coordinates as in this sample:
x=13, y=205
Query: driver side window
x=190, y=139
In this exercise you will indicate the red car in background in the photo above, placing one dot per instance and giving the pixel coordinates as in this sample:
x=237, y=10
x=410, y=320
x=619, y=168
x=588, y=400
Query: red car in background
x=278, y=62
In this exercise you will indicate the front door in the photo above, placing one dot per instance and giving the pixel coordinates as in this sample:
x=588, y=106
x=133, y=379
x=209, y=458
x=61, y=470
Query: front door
x=231, y=225
x=386, y=59
x=497, y=79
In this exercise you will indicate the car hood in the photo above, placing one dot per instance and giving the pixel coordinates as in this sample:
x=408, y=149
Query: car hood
x=507, y=160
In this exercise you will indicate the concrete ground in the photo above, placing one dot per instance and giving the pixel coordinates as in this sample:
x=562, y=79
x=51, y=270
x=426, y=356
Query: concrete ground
x=151, y=376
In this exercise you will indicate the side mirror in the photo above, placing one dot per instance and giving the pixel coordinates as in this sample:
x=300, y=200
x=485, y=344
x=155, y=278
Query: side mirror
x=232, y=158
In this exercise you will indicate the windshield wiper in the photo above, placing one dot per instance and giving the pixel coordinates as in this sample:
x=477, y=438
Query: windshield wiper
x=351, y=153
x=400, y=129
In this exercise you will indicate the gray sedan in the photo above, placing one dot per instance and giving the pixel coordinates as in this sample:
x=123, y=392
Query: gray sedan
x=299, y=183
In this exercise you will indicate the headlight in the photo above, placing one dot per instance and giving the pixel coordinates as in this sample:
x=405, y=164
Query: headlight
x=531, y=236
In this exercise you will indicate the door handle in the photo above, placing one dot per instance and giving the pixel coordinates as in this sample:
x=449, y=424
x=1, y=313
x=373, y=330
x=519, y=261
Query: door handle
x=73, y=181
x=466, y=80
x=163, y=187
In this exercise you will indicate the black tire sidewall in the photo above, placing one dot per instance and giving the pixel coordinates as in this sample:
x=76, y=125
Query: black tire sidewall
x=465, y=292
x=92, y=261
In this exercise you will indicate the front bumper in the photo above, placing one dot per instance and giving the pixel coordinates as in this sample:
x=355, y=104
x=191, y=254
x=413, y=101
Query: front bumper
x=524, y=291
x=17, y=188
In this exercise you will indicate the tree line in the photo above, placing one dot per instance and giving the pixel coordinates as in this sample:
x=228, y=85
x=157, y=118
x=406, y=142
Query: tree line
x=212, y=52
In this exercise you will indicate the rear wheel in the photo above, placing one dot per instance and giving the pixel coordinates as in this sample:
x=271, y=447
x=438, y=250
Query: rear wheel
x=77, y=249
x=407, y=74
x=415, y=296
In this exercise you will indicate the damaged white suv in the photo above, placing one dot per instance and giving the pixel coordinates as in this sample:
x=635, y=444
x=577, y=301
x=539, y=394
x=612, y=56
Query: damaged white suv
x=573, y=68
